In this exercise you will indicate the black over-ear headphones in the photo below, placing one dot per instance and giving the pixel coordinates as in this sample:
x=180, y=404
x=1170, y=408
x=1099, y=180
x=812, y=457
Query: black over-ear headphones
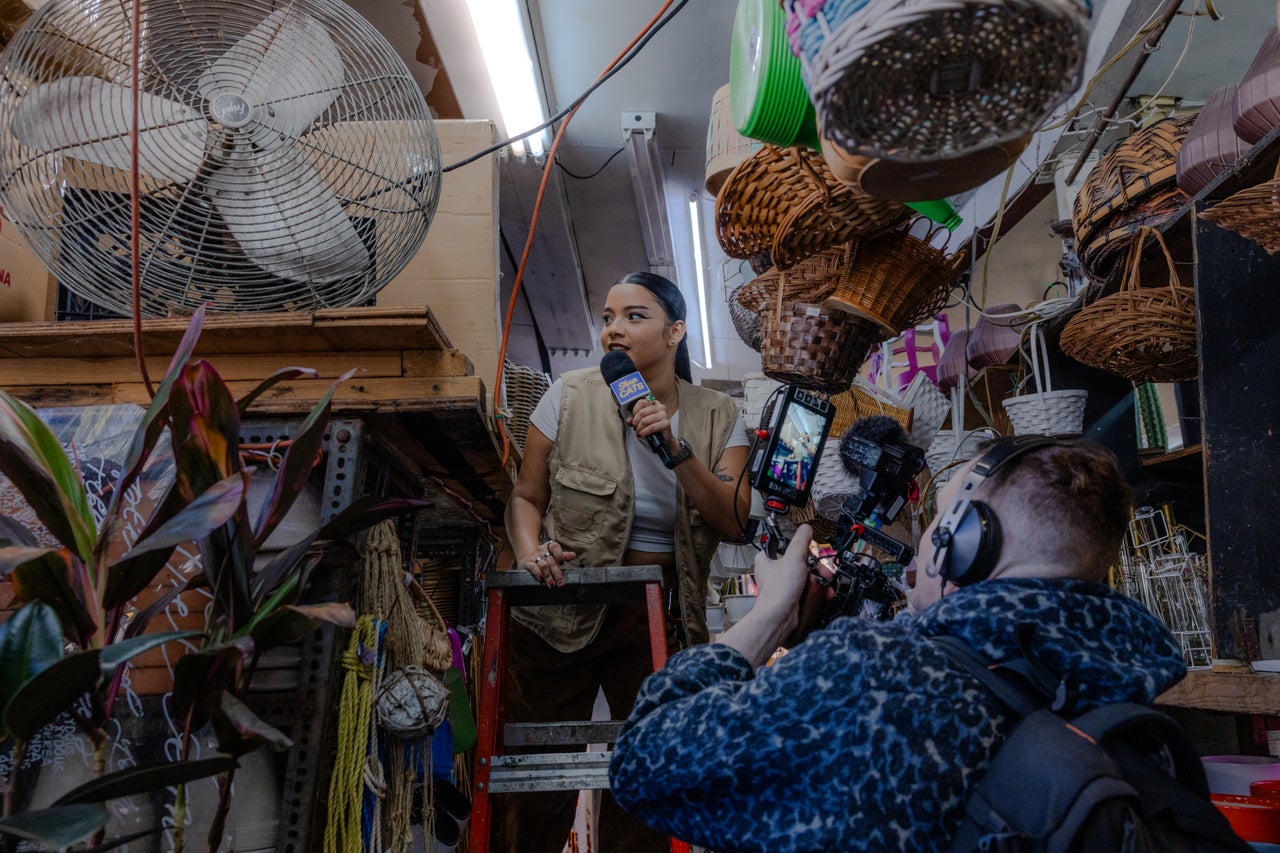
x=967, y=538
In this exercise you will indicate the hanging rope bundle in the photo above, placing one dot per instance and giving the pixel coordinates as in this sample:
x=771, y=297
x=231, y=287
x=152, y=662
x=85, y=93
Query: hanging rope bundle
x=356, y=769
x=412, y=642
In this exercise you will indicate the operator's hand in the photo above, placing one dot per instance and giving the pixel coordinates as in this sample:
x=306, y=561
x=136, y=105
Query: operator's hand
x=544, y=562
x=781, y=581
x=779, y=584
x=650, y=417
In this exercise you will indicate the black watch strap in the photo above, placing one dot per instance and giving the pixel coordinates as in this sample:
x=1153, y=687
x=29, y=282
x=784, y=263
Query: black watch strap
x=671, y=460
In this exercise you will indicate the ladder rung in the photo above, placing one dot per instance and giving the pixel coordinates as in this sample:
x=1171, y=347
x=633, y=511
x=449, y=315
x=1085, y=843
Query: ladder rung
x=561, y=734
x=558, y=771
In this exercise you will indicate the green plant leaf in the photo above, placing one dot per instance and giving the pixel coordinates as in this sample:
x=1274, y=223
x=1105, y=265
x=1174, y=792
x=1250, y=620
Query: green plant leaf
x=14, y=534
x=240, y=731
x=146, y=778
x=30, y=642
x=293, y=621
x=43, y=697
x=52, y=578
x=153, y=420
x=127, y=577
x=299, y=459
x=32, y=458
x=57, y=827
x=284, y=374
x=123, y=650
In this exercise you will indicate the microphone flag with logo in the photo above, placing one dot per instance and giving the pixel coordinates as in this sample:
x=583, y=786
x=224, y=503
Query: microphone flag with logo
x=628, y=387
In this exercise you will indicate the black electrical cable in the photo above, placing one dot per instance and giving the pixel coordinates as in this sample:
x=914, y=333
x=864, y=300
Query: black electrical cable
x=565, y=168
x=631, y=54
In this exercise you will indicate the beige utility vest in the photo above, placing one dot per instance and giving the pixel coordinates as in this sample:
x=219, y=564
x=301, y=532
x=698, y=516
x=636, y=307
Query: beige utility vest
x=592, y=501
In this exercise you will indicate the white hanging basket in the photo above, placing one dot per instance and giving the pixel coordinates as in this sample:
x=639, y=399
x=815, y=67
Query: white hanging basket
x=831, y=483
x=756, y=388
x=948, y=447
x=1048, y=412
x=929, y=408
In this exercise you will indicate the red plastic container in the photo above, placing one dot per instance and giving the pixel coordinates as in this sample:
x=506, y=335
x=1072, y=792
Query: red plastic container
x=1257, y=103
x=1251, y=818
x=1212, y=143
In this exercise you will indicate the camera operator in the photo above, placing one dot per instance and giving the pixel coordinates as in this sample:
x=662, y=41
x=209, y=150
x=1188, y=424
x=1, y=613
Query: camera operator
x=867, y=736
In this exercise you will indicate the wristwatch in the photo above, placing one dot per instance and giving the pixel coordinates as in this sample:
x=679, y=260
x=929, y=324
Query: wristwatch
x=671, y=460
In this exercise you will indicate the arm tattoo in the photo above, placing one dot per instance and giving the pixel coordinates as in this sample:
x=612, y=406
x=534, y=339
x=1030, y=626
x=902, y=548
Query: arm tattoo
x=723, y=475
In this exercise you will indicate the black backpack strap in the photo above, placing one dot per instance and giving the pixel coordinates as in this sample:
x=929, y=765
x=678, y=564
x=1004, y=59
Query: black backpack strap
x=1122, y=718
x=1015, y=690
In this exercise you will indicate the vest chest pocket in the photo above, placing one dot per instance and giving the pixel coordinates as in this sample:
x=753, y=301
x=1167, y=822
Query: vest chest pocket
x=580, y=499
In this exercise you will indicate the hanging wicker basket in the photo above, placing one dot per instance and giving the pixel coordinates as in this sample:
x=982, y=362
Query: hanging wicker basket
x=895, y=280
x=1143, y=163
x=784, y=202
x=746, y=321
x=1045, y=412
x=930, y=79
x=814, y=347
x=1253, y=213
x=1103, y=256
x=1142, y=334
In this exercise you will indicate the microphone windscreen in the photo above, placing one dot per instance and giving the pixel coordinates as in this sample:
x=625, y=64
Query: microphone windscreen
x=864, y=435
x=615, y=365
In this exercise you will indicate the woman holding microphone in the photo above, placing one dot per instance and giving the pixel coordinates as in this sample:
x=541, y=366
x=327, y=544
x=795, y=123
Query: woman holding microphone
x=592, y=490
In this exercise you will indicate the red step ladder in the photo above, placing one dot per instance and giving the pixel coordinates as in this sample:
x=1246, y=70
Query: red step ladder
x=498, y=773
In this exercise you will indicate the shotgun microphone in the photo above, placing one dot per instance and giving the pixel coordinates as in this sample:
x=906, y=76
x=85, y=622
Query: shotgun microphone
x=627, y=386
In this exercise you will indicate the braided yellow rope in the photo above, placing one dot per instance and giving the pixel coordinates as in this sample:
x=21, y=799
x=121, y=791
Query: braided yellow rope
x=356, y=742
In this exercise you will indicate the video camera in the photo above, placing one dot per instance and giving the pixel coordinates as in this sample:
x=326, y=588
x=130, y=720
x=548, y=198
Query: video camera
x=875, y=450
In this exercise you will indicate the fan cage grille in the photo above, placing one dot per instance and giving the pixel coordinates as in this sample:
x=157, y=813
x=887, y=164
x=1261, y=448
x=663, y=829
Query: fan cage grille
x=318, y=200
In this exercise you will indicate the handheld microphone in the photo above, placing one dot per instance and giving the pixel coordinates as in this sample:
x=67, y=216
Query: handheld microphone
x=627, y=386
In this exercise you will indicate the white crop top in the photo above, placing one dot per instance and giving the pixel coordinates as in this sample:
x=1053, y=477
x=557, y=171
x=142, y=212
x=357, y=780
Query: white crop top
x=655, y=521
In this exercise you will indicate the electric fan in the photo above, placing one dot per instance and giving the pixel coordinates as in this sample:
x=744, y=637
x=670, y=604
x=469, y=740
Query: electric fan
x=286, y=157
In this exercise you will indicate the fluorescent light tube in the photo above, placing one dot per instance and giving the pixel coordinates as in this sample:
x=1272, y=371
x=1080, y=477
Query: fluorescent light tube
x=695, y=223
x=499, y=26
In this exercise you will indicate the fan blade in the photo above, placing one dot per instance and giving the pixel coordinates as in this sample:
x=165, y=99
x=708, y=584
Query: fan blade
x=287, y=68
x=286, y=219
x=89, y=118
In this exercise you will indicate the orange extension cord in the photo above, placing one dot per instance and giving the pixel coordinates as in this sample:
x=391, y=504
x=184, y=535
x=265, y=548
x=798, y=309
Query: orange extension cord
x=528, y=243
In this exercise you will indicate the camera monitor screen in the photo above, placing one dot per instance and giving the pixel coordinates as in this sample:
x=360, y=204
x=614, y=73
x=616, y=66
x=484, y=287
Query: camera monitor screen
x=798, y=428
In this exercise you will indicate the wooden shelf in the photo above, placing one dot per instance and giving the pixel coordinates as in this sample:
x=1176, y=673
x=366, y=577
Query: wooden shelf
x=1185, y=457
x=1230, y=692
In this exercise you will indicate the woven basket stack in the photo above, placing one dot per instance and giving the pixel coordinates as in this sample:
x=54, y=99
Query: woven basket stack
x=1133, y=187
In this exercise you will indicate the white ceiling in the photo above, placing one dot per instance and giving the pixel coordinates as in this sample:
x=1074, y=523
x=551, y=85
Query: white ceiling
x=589, y=233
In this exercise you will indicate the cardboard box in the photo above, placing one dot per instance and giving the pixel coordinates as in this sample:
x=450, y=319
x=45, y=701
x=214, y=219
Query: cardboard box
x=27, y=290
x=455, y=272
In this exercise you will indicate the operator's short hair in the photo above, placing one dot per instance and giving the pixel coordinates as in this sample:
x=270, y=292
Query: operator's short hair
x=1073, y=494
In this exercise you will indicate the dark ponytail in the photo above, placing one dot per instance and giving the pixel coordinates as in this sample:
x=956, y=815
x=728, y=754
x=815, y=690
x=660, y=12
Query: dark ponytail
x=673, y=305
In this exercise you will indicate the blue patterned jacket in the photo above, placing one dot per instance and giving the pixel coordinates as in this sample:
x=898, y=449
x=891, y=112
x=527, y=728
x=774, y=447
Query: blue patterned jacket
x=866, y=736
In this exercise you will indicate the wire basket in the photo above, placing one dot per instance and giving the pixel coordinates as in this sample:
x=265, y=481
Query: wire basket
x=1045, y=412
x=522, y=388
x=1143, y=163
x=814, y=347
x=785, y=202
x=895, y=280
x=1253, y=213
x=929, y=79
x=1142, y=334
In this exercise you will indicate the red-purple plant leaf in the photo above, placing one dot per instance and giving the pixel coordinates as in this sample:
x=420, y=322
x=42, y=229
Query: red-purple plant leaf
x=13, y=533
x=361, y=514
x=240, y=731
x=153, y=420
x=32, y=458
x=284, y=374
x=142, y=620
x=200, y=678
x=299, y=459
x=293, y=621
x=53, y=579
